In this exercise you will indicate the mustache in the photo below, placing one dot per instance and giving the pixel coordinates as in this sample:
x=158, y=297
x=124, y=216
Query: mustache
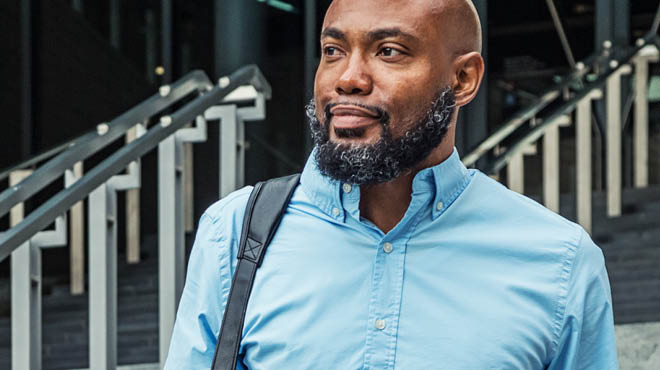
x=382, y=114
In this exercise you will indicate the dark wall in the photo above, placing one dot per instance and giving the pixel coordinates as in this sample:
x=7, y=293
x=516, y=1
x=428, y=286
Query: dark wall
x=10, y=93
x=81, y=79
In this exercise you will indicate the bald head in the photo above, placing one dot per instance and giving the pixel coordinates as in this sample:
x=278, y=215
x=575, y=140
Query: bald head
x=463, y=17
x=456, y=20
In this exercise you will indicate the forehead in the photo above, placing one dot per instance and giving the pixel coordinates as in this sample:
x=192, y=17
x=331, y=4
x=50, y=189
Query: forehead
x=419, y=17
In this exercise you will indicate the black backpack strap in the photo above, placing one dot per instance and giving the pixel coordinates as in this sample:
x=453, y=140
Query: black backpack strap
x=266, y=206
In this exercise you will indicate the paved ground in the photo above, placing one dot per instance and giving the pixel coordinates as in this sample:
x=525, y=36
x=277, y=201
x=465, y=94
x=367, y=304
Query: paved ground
x=639, y=346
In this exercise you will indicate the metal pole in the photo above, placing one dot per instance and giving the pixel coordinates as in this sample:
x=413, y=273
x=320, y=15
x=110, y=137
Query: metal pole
x=26, y=73
x=25, y=295
x=516, y=173
x=641, y=128
x=102, y=279
x=166, y=40
x=132, y=214
x=26, y=308
x=551, y=168
x=603, y=41
x=614, y=146
x=77, y=246
x=583, y=160
x=562, y=34
x=115, y=23
x=228, y=152
x=240, y=152
x=171, y=253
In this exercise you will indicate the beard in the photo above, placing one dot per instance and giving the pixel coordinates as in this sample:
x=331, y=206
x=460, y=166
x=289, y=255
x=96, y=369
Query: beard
x=387, y=158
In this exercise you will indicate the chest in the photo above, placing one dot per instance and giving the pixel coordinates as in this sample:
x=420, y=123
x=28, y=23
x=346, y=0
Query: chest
x=329, y=297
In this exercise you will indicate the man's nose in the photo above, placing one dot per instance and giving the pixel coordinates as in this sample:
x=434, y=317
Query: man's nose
x=355, y=79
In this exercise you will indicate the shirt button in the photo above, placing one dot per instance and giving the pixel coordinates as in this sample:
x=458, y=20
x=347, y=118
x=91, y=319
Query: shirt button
x=440, y=206
x=380, y=324
x=335, y=211
x=387, y=248
x=347, y=188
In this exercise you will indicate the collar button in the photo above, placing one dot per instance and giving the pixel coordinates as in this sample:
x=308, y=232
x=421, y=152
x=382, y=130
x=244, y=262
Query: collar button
x=347, y=188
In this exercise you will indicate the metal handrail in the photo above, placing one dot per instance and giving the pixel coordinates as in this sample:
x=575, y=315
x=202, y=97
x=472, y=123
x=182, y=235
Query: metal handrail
x=92, y=142
x=36, y=159
x=534, y=133
x=115, y=163
x=529, y=112
x=525, y=114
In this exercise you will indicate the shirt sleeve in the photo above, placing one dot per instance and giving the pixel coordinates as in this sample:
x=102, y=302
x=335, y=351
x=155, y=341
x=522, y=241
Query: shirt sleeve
x=586, y=340
x=203, y=300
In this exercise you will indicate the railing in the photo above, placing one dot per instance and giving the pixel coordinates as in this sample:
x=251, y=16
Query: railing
x=550, y=111
x=192, y=99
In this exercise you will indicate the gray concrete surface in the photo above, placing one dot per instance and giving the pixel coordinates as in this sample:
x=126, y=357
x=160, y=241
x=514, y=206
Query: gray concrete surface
x=638, y=346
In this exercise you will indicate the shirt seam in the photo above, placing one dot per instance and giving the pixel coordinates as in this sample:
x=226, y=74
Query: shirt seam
x=562, y=300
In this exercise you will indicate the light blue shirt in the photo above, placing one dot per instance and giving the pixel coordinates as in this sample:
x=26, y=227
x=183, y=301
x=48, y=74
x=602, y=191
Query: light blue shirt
x=473, y=277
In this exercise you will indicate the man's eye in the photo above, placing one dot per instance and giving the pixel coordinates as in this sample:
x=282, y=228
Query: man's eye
x=330, y=51
x=389, y=52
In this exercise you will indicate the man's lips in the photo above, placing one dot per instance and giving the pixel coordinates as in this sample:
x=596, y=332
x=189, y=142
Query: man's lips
x=352, y=117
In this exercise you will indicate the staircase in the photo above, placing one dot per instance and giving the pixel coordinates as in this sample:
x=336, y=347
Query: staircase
x=631, y=244
x=65, y=317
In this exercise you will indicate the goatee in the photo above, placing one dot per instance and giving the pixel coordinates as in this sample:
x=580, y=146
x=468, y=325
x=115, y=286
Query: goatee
x=387, y=158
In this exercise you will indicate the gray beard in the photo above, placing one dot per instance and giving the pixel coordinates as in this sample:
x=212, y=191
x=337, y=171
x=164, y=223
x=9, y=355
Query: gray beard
x=389, y=157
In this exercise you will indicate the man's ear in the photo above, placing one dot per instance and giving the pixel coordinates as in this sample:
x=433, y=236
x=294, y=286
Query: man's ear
x=469, y=71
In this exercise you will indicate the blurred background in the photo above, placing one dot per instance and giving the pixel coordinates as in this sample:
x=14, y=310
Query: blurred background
x=72, y=68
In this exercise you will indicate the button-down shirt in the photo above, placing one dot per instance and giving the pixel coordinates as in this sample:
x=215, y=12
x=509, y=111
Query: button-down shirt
x=474, y=276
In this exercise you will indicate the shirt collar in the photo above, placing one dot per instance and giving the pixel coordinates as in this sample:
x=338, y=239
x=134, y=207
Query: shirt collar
x=443, y=183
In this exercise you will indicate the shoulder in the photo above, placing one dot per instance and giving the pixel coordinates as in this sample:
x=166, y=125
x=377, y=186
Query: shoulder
x=522, y=216
x=219, y=228
x=230, y=206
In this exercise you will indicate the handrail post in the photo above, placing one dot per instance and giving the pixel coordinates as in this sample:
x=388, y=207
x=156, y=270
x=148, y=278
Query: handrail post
x=102, y=279
x=77, y=230
x=551, y=191
x=516, y=173
x=25, y=295
x=583, y=159
x=171, y=226
x=641, y=128
x=189, y=187
x=132, y=213
x=614, y=134
x=103, y=264
x=229, y=150
x=516, y=169
x=171, y=252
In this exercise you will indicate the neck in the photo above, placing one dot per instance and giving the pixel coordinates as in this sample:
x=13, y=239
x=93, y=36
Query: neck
x=386, y=204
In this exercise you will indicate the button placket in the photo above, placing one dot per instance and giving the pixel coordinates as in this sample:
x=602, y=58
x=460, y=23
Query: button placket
x=383, y=314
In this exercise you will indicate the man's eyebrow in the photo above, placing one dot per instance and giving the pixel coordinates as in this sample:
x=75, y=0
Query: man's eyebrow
x=335, y=33
x=379, y=34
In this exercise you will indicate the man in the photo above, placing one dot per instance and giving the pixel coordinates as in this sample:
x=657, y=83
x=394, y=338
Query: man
x=393, y=255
